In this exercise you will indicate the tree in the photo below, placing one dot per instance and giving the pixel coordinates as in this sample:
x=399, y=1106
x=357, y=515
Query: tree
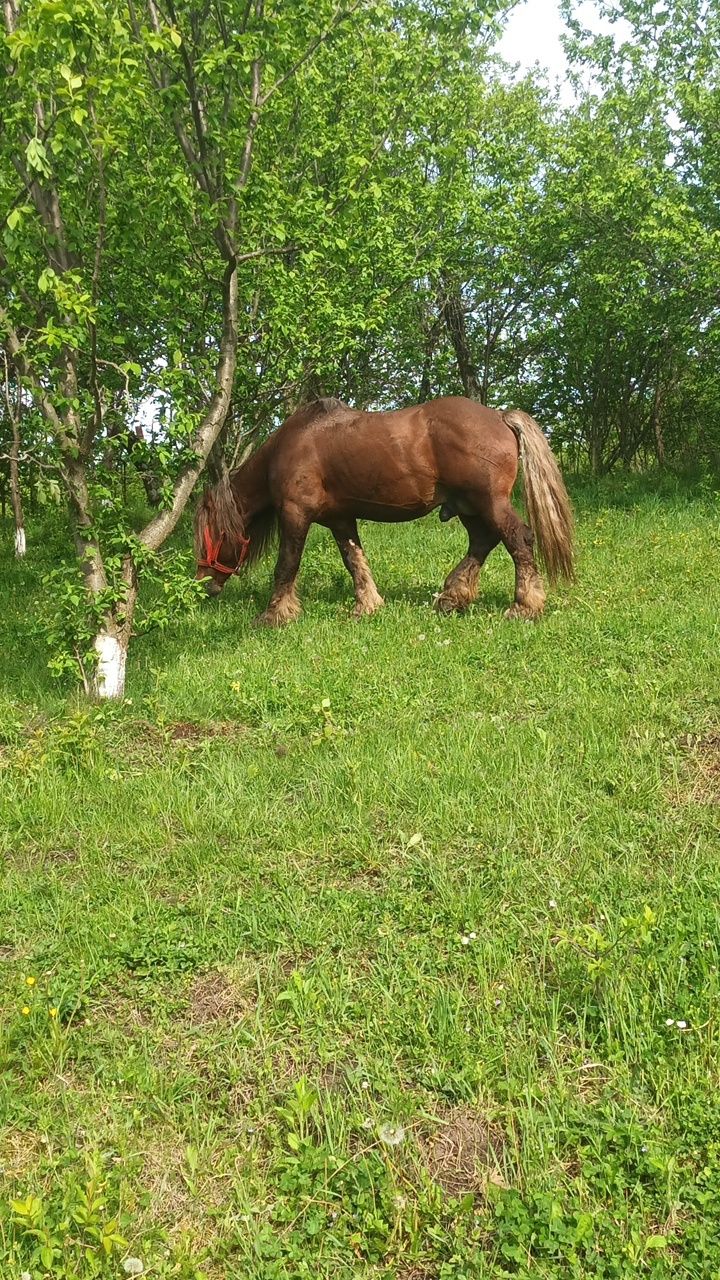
x=230, y=156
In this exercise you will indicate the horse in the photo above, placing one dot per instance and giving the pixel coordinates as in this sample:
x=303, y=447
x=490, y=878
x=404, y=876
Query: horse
x=332, y=465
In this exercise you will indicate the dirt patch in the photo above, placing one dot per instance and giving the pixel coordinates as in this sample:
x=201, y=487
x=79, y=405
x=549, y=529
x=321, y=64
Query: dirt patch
x=180, y=1200
x=216, y=996
x=21, y=1152
x=703, y=768
x=465, y=1153
x=187, y=731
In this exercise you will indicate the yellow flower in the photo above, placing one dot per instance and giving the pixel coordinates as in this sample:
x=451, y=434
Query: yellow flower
x=26, y=1008
x=30, y=982
x=53, y=1013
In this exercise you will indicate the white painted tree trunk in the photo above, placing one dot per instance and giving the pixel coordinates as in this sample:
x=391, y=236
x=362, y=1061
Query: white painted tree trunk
x=20, y=544
x=110, y=672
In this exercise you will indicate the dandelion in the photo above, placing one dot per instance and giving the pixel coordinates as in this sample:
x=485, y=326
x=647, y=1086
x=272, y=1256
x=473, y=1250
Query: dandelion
x=31, y=981
x=133, y=1267
x=26, y=1009
x=25, y=1275
x=53, y=1014
x=422, y=636
x=391, y=1134
x=364, y=1084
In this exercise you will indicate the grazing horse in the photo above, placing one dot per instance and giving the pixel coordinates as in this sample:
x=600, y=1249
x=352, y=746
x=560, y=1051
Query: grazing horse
x=332, y=465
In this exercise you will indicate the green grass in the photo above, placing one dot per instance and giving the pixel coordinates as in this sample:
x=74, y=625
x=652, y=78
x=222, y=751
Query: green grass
x=251, y=926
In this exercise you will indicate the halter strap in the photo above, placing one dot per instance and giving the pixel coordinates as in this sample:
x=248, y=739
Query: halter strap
x=212, y=551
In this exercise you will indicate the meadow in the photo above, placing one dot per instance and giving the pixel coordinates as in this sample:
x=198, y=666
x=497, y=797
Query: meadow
x=379, y=949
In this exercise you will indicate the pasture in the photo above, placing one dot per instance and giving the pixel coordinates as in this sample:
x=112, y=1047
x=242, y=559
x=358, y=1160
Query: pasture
x=379, y=949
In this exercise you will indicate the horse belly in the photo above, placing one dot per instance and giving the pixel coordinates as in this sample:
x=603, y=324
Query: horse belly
x=386, y=513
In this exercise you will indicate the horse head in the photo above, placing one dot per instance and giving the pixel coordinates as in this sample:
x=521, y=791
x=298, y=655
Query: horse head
x=221, y=547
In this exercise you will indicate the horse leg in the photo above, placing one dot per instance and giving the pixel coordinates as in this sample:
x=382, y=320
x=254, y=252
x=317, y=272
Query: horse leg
x=284, y=605
x=367, y=597
x=529, y=590
x=460, y=587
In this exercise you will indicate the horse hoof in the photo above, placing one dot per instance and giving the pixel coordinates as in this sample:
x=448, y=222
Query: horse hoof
x=522, y=613
x=367, y=608
x=276, y=617
x=449, y=604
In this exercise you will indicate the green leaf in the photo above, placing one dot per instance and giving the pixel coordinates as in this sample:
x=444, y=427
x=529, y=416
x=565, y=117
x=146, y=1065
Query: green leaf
x=46, y=279
x=36, y=156
x=175, y=37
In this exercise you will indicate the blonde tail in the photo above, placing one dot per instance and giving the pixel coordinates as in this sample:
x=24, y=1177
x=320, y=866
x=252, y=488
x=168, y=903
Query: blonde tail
x=546, y=498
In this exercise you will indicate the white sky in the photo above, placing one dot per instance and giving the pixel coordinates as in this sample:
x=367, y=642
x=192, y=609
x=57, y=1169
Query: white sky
x=533, y=32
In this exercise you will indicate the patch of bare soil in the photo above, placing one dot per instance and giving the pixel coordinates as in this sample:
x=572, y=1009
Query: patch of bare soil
x=180, y=1202
x=20, y=1154
x=465, y=1153
x=703, y=768
x=188, y=731
x=215, y=996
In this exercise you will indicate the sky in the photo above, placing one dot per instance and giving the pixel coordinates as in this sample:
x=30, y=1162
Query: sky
x=533, y=32
x=533, y=35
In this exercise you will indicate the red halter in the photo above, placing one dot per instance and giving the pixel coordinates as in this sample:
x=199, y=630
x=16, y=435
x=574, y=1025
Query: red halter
x=212, y=551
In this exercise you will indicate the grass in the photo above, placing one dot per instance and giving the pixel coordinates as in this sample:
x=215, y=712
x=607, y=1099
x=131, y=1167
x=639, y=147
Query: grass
x=355, y=946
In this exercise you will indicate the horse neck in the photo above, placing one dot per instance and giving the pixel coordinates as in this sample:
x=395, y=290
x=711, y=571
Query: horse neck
x=250, y=484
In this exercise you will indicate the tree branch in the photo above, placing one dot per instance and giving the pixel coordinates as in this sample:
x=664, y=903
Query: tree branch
x=339, y=16
x=162, y=525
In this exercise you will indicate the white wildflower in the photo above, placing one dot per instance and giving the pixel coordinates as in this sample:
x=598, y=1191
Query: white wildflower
x=681, y=1026
x=669, y=1022
x=465, y=940
x=391, y=1134
x=552, y=904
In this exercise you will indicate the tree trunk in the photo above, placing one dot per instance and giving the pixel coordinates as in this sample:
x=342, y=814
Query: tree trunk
x=113, y=640
x=454, y=315
x=658, y=433
x=15, y=492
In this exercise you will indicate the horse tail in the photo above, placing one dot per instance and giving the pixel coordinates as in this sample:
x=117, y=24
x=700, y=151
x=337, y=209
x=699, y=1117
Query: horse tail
x=546, y=498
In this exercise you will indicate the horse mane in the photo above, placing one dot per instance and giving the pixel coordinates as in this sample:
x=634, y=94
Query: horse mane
x=220, y=512
x=321, y=408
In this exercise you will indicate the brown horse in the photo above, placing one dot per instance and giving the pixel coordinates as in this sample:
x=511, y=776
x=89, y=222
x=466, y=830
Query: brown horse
x=332, y=465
